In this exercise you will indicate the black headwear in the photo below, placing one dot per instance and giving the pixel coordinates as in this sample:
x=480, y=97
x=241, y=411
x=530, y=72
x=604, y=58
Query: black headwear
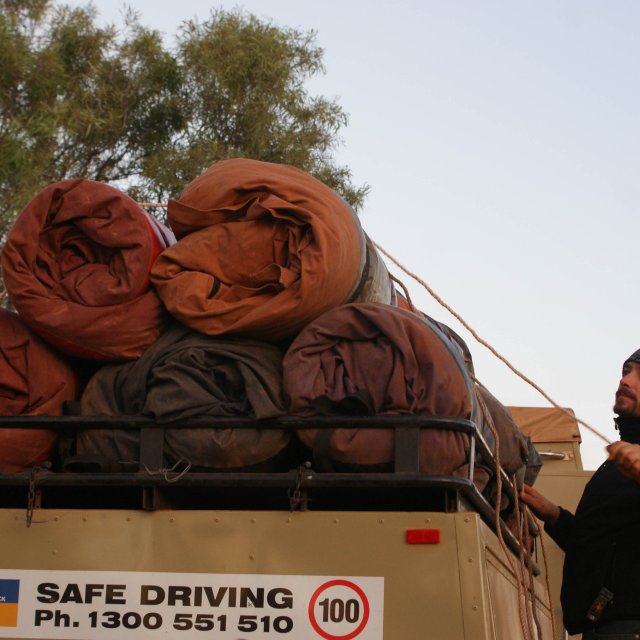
x=634, y=357
x=629, y=426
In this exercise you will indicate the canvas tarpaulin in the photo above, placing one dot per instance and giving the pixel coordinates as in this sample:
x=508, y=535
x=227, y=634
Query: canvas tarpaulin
x=262, y=250
x=547, y=424
x=76, y=266
x=188, y=375
x=34, y=381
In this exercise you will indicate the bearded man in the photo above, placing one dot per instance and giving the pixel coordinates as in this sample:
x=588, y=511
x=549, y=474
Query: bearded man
x=600, y=593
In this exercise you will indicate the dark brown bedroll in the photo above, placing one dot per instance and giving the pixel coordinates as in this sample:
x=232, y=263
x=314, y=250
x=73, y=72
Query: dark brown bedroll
x=262, y=250
x=186, y=375
x=76, y=266
x=34, y=381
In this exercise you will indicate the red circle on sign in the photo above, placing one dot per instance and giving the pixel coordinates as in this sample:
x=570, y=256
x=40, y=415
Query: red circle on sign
x=338, y=583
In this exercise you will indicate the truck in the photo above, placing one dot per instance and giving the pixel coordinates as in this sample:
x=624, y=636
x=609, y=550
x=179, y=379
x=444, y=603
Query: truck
x=304, y=554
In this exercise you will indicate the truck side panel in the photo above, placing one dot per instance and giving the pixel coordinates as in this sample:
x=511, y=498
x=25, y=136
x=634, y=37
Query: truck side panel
x=436, y=590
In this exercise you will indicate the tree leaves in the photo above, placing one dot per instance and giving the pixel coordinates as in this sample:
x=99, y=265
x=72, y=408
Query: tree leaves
x=117, y=105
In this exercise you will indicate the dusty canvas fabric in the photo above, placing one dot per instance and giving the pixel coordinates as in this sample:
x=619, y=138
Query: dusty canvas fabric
x=547, y=424
x=34, y=381
x=263, y=249
x=76, y=266
x=517, y=457
x=376, y=359
x=513, y=449
x=188, y=375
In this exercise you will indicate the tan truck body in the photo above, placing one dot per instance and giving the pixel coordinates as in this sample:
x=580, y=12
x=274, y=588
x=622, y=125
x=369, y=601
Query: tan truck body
x=332, y=574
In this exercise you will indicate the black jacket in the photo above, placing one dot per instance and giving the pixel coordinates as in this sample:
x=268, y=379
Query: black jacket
x=602, y=545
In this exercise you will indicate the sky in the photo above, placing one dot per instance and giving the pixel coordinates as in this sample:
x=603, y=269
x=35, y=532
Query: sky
x=500, y=140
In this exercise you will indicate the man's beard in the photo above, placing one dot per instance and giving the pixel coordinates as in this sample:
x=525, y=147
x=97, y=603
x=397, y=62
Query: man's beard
x=621, y=408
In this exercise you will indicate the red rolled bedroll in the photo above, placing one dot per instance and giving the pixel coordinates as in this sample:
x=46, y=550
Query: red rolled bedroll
x=373, y=359
x=262, y=250
x=76, y=267
x=34, y=381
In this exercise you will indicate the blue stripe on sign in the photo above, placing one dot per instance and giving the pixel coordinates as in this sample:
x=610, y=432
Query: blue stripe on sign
x=9, y=591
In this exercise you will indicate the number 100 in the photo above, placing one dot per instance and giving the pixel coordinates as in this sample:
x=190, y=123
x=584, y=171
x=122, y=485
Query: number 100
x=337, y=610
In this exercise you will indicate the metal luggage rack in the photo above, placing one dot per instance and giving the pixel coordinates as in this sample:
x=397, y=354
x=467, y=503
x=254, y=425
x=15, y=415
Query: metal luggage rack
x=301, y=487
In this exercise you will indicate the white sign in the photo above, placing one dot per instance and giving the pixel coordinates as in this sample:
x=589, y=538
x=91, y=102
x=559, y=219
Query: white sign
x=110, y=605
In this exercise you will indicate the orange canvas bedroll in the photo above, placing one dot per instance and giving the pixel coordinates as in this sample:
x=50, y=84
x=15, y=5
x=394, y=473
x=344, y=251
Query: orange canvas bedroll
x=262, y=250
x=34, y=381
x=76, y=266
x=373, y=359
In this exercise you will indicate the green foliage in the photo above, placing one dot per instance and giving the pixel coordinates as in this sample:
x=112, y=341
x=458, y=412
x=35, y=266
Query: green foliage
x=116, y=105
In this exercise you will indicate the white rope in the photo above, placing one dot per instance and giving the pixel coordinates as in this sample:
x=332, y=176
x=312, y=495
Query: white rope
x=488, y=346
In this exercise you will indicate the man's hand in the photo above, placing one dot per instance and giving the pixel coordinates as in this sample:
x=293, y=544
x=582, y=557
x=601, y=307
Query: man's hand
x=542, y=507
x=627, y=458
